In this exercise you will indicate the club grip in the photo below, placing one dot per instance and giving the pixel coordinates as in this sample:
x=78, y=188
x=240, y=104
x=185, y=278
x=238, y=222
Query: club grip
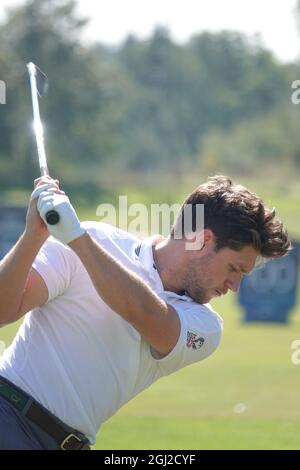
x=52, y=217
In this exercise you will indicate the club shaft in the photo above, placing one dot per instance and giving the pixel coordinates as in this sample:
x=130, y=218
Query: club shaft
x=52, y=216
x=37, y=123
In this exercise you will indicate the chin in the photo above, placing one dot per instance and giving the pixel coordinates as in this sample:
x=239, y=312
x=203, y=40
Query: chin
x=209, y=298
x=200, y=297
x=204, y=299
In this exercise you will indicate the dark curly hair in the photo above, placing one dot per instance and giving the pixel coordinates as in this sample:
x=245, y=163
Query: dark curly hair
x=237, y=217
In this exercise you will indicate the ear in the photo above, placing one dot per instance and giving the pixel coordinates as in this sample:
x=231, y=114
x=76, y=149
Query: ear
x=208, y=237
x=194, y=241
x=199, y=240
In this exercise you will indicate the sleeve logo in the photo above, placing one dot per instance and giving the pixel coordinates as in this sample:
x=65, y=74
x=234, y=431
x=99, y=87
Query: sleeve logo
x=194, y=341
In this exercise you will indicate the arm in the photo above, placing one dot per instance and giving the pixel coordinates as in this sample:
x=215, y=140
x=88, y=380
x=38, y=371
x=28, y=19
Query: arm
x=22, y=288
x=129, y=296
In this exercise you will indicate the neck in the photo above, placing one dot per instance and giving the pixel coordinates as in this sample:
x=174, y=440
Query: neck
x=167, y=260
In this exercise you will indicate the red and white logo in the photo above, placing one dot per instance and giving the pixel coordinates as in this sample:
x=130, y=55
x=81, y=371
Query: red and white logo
x=194, y=341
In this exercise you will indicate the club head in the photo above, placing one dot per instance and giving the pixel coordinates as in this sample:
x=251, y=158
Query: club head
x=42, y=82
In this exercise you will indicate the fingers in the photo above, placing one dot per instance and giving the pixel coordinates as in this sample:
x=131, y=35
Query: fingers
x=39, y=189
x=44, y=180
x=56, y=191
x=47, y=188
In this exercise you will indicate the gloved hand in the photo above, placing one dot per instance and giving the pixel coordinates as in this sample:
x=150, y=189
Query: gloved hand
x=68, y=228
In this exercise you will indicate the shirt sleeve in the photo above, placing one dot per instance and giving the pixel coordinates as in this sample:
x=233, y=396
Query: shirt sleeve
x=200, y=335
x=56, y=264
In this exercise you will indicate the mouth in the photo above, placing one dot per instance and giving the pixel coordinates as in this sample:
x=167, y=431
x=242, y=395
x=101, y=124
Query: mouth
x=220, y=292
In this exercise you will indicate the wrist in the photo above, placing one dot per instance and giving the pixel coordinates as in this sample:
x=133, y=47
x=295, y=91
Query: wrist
x=79, y=241
x=34, y=237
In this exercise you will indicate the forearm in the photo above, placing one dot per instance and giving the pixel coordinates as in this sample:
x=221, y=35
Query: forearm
x=124, y=291
x=14, y=270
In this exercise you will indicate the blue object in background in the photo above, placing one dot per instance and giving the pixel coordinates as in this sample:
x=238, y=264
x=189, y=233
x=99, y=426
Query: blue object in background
x=12, y=224
x=269, y=293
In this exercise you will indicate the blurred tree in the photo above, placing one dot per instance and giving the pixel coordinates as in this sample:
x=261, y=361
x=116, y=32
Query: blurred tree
x=270, y=141
x=78, y=110
x=148, y=105
x=182, y=91
x=297, y=12
x=153, y=133
x=240, y=78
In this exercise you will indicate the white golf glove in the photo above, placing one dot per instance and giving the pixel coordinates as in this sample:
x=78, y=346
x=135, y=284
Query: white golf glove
x=68, y=227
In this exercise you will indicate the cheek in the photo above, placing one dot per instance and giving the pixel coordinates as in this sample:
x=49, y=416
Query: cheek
x=216, y=273
x=207, y=273
x=205, y=276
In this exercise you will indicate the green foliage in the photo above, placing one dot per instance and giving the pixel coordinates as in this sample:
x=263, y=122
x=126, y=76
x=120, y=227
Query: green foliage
x=271, y=140
x=216, y=80
x=147, y=106
x=79, y=111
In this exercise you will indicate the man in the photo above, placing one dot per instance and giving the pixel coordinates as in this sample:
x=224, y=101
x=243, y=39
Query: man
x=107, y=315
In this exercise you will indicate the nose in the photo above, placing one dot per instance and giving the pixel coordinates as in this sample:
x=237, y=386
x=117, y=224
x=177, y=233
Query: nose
x=234, y=284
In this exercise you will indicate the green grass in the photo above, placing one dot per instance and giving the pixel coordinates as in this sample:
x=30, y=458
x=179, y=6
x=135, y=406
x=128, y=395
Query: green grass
x=199, y=433
x=195, y=407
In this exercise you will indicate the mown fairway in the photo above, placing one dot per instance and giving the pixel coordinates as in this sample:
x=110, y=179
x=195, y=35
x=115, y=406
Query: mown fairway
x=196, y=408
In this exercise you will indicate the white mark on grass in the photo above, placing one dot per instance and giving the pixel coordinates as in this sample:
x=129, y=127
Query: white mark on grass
x=295, y=358
x=239, y=408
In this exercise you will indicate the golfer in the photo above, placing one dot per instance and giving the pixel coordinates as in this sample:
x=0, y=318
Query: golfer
x=107, y=314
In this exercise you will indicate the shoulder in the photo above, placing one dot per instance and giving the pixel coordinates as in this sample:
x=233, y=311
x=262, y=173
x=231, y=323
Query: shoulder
x=193, y=313
x=201, y=318
x=103, y=231
x=200, y=332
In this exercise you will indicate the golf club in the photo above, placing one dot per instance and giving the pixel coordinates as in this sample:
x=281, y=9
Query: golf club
x=39, y=87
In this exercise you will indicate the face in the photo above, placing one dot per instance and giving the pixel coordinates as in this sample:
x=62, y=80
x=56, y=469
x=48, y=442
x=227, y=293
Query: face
x=210, y=273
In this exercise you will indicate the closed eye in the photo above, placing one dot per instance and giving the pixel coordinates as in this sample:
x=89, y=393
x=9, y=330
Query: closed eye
x=233, y=269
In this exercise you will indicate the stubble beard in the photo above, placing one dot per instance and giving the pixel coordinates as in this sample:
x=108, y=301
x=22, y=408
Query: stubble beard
x=195, y=279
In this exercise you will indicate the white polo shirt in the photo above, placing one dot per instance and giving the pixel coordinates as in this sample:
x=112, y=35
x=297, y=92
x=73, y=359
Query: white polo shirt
x=78, y=357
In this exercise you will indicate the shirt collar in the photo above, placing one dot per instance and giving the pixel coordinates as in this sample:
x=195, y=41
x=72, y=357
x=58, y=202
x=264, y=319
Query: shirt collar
x=143, y=252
